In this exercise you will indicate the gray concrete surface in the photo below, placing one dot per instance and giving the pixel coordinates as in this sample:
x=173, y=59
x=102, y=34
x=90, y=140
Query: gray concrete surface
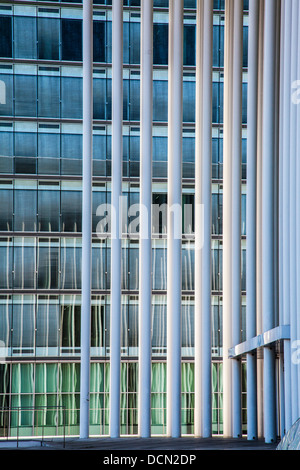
x=135, y=443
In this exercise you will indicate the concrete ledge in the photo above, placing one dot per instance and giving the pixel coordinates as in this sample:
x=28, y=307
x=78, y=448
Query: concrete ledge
x=12, y=444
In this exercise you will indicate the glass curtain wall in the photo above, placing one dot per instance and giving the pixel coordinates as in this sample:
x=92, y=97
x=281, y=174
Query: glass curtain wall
x=41, y=216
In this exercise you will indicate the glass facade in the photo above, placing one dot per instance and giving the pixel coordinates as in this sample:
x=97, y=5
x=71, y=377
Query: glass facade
x=41, y=216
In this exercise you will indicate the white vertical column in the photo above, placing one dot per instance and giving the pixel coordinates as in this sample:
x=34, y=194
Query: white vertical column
x=203, y=219
x=116, y=253
x=145, y=265
x=252, y=109
x=268, y=215
x=297, y=196
x=232, y=214
x=286, y=64
x=280, y=227
x=227, y=223
x=259, y=219
x=174, y=218
x=292, y=208
x=86, y=216
x=236, y=209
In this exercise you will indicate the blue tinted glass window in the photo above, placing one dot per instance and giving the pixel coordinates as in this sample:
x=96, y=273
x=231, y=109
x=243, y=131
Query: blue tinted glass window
x=71, y=37
x=160, y=43
x=25, y=37
x=48, y=96
x=48, y=211
x=188, y=91
x=25, y=95
x=25, y=210
x=24, y=265
x=99, y=41
x=71, y=211
x=189, y=45
x=71, y=94
x=160, y=100
x=47, y=265
x=6, y=210
x=5, y=36
x=71, y=153
x=6, y=95
x=48, y=153
x=48, y=38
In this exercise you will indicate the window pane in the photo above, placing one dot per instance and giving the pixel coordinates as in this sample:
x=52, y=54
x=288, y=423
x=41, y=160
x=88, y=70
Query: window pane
x=49, y=210
x=25, y=152
x=49, y=154
x=47, y=323
x=5, y=36
x=160, y=100
x=71, y=211
x=189, y=45
x=6, y=95
x=99, y=41
x=134, y=49
x=47, y=265
x=5, y=329
x=71, y=39
x=188, y=101
x=25, y=37
x=70, y=265
x=48, y=96
x=71, y=91
x=48, y=38
x=25, y=102
x=71, y=153
x=6, y=265
x=160, y=43
x=25, y=210
x=6, y=209
x=23, y=331
x=24, y=265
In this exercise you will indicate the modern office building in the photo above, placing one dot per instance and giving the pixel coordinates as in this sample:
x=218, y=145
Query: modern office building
x=110, y=322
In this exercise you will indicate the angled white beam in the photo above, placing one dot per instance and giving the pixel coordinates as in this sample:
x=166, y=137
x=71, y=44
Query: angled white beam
x=145, y=265
x=203, y=156
x=282, y=332
x=86, y=216
x=174, y=218
x=116, y=193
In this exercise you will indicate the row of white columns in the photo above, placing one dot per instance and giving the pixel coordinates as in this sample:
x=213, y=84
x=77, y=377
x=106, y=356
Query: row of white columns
x=289, y=161
x=272, y=167
x=262, y=221
x=273, y=273
x=203, y=198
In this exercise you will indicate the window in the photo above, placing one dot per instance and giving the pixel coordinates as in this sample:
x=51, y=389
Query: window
x=71, y=40
x=25, y=37
x=5, y=36
x=48, y=38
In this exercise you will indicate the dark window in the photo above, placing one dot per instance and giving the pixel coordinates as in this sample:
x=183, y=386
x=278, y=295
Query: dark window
x=71, y=36
x=189, y=45
x=5, y=36
x=48, y=37
x=99, y=41
x=160, y=44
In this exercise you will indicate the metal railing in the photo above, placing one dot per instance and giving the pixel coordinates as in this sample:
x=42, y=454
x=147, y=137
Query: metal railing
x=14, y=419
